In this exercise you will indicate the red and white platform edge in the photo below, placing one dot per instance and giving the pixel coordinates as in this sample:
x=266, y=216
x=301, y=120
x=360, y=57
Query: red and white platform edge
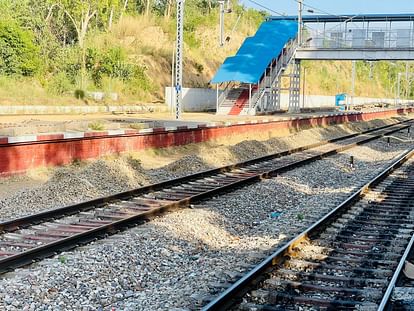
x=18, y=154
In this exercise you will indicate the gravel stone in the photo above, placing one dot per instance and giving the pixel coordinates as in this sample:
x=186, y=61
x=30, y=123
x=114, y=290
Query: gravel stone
x=180, y=260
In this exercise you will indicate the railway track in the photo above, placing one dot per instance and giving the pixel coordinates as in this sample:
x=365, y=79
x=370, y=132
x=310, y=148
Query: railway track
x=31, y=238
x=348, y=260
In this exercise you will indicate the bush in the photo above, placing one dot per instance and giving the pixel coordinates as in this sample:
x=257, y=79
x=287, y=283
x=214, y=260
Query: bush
x=97, y=126
x=18, y=53
x=59, y=84
x=111, y=63
x=79, y=94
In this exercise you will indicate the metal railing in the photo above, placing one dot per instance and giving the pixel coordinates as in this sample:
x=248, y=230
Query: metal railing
x=276, y=68
x=271, y=73
x=223, y=95
x=357, y=38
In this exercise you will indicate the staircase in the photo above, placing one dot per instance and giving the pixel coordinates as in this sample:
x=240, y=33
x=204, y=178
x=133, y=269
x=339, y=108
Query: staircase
x=240, y=103
x=231, y=102
x=265, y=96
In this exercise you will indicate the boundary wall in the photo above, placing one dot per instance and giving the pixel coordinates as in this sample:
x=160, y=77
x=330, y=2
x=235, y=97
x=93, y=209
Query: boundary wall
x=202, y=99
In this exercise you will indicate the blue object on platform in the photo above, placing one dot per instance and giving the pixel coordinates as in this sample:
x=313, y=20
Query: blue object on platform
x=257, y=52
x=340, y=100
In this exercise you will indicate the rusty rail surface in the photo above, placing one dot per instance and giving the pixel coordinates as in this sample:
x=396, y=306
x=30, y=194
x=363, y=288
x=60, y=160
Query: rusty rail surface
x=34, y=237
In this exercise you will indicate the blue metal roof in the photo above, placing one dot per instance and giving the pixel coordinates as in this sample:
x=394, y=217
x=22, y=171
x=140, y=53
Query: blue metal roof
x=404, y=17
x=257, y=52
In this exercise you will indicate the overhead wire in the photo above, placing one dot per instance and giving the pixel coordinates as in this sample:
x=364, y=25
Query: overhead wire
x=329, y=13
x=322, y=11
x=332, y=14
x=266, y=8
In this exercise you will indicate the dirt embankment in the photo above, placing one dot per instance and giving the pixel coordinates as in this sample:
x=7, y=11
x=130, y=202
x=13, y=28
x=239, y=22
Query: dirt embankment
x=49, y=188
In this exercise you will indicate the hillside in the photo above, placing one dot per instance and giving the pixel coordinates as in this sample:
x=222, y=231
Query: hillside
x=128, y=51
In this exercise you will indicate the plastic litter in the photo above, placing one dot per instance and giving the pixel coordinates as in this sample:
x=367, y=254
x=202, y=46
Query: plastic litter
x=275, y=214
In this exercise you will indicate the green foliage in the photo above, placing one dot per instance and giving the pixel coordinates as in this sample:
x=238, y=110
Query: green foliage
x=62, y=259
x=140, y=81
x=18, y=53
x=97, y=126
x=79, y=94
x=59, y=84
x=199, y=68
x=44, y=39
x=111, y=63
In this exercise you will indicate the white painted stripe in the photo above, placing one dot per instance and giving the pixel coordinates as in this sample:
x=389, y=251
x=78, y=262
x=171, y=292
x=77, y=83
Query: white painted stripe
x=265, y=120
x=241, y=122
x=116, y=132
x=143, y=131
x=171, y=128
x=192, y=127
x=211, y=125
x=253, y=121
x=228, y=124
x=68, y=135
x=22, y=139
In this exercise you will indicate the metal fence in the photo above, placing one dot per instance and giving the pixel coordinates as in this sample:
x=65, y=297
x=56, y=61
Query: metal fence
x=357, y=38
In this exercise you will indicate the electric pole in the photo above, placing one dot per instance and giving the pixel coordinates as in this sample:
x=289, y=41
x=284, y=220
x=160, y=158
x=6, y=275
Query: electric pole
x=353, y=81
x=300, y=3
x=221, y=38
x=398, y=88
x=179, y=59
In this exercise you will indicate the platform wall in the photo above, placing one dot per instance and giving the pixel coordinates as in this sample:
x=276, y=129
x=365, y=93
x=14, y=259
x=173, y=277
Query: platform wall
x=17, y=157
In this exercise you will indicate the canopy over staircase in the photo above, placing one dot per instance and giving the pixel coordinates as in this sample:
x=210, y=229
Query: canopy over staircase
x=250, y=80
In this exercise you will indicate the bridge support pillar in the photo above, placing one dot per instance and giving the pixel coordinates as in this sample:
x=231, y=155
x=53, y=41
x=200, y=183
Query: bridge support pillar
x=294, y=87
x=275, y=93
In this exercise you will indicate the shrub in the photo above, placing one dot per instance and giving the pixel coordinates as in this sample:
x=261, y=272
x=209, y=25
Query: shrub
x=79, y=94
x=97, y=126
x=59, y=84
x=18, y=53
x=199, y=68
x=111, y=63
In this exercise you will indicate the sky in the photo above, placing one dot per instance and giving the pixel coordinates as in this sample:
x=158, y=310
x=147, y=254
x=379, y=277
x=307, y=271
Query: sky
x=290, y=7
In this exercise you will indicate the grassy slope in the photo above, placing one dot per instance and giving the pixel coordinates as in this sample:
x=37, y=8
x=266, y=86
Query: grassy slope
x=202, y=60
x=149, y=42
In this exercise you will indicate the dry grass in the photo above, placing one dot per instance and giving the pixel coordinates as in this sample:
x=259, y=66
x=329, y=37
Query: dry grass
x=148, y=41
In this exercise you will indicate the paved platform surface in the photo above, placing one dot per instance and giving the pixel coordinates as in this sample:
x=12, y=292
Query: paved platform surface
x=13, y=125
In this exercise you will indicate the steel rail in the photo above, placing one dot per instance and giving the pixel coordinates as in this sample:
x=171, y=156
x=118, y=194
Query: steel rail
x=236, y=180
x=230, y=296
x=87, y=205
x=387, y=296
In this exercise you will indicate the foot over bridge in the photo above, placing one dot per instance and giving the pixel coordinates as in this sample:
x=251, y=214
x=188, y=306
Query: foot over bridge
x=251, y=81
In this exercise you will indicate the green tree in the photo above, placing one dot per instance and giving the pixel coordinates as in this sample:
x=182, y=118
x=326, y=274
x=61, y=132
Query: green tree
x=80, y=14
x=18, y=53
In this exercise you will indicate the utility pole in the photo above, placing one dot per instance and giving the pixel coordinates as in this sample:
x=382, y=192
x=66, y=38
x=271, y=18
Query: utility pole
x=300, y=3
x=353, y=81
x=303, y=87
x=398, y=89
x=221, y=37
x=172, y=79
x=179, y=59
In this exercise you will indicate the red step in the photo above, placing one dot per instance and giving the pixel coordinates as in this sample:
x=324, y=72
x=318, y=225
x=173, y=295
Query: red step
x=240, y=103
